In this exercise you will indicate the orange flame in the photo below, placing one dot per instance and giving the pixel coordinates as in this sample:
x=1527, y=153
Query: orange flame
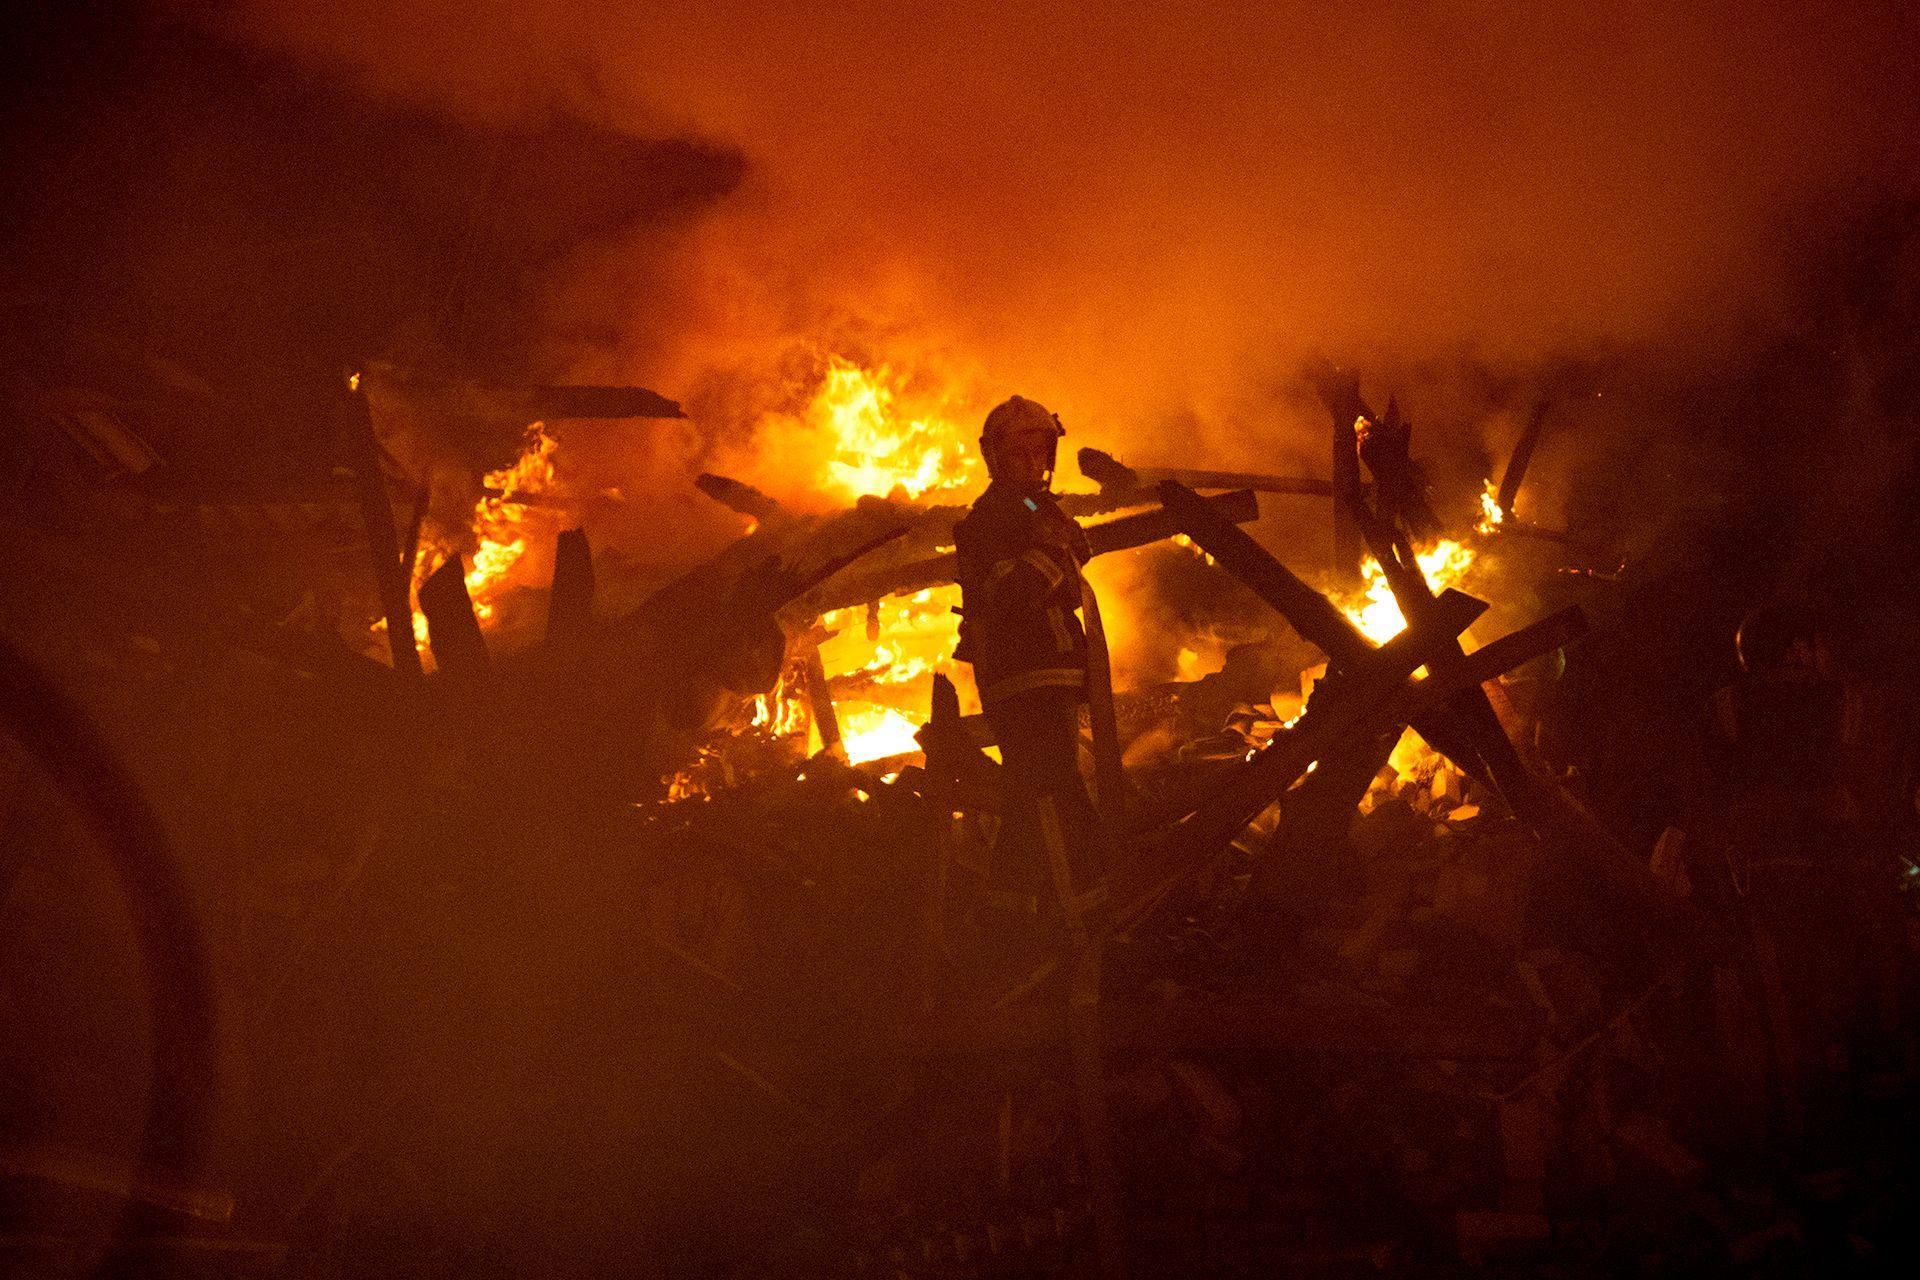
x=878, y=452
x=874, y=446
x=1491, y=513
x=1377, y=613
x=870, y=731
x=498, y=521
x=499, y=535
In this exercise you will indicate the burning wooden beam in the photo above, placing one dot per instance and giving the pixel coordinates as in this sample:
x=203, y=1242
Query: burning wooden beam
x=1399, y=485
x=1522, y=456
x=820, y=702
x=376, y=513
x=1373, y=698
x=1308, y=612
x=939, y=570
x=1116, y=479
x=1356, y=705
x=739, y=496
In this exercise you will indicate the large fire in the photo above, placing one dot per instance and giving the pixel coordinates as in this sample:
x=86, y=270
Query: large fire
x=499, y=535
x=862, y=439
x=876, y=447
x=882, y=668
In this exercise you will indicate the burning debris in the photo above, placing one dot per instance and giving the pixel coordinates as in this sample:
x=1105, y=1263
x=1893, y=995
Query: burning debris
x=1367, y=988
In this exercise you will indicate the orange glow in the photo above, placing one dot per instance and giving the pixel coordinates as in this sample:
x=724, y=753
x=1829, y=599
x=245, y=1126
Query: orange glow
x=868, y=442
x=870, y=731
x=878, y=452
x=497, y=522
x=500, y=537
x=866, y=430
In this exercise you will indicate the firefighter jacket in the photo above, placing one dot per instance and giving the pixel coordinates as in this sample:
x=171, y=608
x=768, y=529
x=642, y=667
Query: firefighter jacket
x=1020, y=558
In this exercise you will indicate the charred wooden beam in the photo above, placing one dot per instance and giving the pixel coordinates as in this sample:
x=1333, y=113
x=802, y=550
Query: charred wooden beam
x=1339, y=390
x=1151, y=526
x=1515, y=527
x=1144, y=879
x=570, y=606
x=376, y=513
x=1355, y=702
x=1399, y=485
x=739, y=496
x=453, y=631
x=410, y=544
x=1112, y=535
x=1308, y=612
x=1522, y=455
x=820, y=702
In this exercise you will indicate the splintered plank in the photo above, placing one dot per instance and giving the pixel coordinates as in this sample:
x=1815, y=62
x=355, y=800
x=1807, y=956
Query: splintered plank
x=1361, y=702
x=1308, y=612
x=1372, y=699
x=1522, y=456
x=820, y=702
x=453, y=632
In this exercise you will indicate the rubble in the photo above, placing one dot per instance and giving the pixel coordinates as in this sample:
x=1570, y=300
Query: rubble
x=1338, y=1021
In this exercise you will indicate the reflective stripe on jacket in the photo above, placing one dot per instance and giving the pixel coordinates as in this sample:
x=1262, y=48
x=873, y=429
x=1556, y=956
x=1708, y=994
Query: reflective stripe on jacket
x=1019, y=570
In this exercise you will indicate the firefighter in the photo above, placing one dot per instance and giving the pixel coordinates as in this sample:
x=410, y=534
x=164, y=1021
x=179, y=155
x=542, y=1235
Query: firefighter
x=1020, y=557
x=1805, y=875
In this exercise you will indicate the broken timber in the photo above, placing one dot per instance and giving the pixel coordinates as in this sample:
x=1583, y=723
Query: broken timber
x=1113, y=535
x=376, y=512
x=570, y=606
x=1375, y=694
x=453, y=632
x=1117, y=480
x=1537, y=802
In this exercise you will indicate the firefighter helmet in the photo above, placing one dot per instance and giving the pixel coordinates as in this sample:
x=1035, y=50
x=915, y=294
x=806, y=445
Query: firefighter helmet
x=1018, y=414
x=1773, y=636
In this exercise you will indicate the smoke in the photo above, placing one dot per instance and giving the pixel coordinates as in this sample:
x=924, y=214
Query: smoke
x=1135, y=215
x=1148, y=222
